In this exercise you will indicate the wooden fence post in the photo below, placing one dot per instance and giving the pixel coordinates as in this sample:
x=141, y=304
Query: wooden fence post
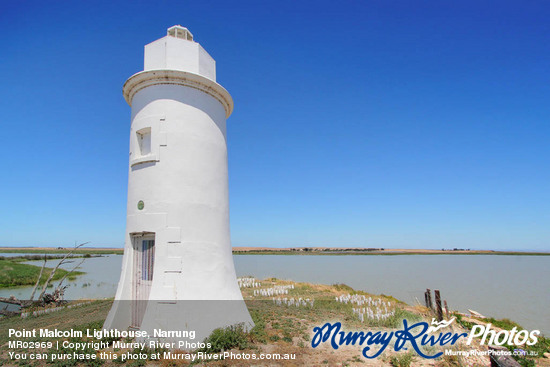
x=428, y=296
x=438, y=309
x=426, y=299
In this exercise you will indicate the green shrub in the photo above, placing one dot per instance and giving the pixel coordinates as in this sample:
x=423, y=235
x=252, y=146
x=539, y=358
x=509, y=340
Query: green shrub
x=226, y=338
x=258, y=331
x=402, y=360
x=137, y=363
x=465, y=324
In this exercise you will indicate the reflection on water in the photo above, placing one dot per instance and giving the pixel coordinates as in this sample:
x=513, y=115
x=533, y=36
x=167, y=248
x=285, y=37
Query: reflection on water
x=515, y=287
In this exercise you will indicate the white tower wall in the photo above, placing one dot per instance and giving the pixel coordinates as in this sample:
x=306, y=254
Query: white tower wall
x=178, y=196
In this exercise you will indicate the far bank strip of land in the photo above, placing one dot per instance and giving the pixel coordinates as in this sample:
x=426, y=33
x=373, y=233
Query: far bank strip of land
x=335, y=251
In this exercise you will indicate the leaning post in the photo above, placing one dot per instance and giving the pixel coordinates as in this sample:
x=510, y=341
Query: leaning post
x=428, y=296
x=438, y=309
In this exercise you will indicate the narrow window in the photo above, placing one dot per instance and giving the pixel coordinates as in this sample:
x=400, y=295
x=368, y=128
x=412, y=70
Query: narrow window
x=144, y=141
x=148, y=259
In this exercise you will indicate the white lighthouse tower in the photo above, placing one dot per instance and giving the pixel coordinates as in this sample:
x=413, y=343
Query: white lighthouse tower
x=177, y=270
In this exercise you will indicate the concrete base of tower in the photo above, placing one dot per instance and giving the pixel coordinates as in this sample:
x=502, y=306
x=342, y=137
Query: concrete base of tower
x=179, y=324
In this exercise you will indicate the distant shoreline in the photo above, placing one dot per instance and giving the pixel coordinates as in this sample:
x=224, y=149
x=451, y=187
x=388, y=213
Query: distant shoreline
x=384, y=252
x=61, y=250
x=334, y=251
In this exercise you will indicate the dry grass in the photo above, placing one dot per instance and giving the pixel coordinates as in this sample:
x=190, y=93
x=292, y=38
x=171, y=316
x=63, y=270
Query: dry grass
x=279, y=329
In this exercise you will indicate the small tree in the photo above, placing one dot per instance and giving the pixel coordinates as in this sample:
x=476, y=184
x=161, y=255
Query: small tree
x=64, y=260
x=39, y=277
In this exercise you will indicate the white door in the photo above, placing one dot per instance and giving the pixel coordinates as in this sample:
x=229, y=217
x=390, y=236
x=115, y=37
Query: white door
x=144, y=261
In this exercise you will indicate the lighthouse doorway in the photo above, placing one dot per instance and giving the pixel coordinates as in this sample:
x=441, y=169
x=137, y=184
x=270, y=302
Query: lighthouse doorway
x=144, y=261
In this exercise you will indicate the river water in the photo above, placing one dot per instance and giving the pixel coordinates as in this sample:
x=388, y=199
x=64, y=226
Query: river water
x=515, y=287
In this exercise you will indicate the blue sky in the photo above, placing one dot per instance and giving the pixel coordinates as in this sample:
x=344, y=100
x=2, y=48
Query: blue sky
x=395, y=124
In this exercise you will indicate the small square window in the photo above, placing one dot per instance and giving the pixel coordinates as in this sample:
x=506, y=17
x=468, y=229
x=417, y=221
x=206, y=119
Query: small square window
x=144, y=141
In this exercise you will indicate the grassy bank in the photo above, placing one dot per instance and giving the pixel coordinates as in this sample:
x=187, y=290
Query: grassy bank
x=23, y=257
x=53, y=250
x=279, y=328
x=15, y=274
